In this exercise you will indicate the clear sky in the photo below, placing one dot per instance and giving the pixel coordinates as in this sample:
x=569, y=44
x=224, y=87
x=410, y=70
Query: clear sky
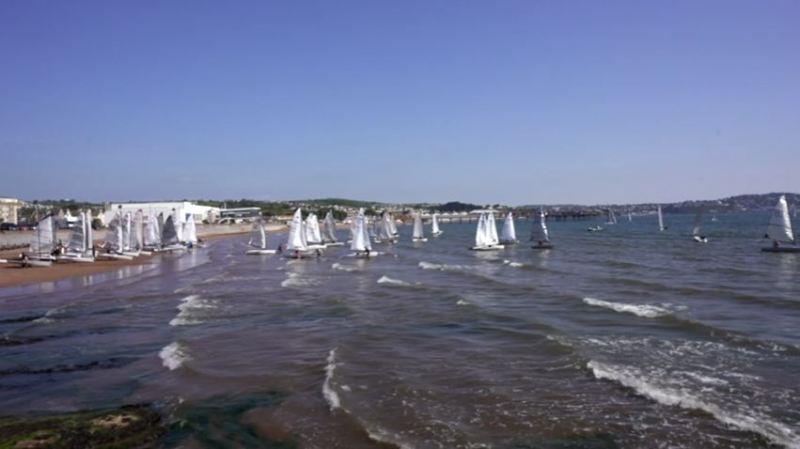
x=517, y=102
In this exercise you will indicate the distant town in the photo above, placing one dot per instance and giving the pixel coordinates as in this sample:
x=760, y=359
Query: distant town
x=22, y=214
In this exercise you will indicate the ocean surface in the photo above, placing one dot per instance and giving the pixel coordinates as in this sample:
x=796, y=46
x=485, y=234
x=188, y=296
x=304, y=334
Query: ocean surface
x=626, y=338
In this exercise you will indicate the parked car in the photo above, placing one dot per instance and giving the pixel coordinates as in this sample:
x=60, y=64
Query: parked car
x=8, y=227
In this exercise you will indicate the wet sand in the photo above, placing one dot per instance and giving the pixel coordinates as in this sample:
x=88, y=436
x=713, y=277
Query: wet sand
x=12, y=275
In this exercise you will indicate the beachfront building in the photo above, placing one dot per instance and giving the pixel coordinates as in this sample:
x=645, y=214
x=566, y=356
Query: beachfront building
x=9, y=208
x=181, y=208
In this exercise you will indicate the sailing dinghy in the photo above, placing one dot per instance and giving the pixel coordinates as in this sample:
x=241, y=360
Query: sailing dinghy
x=152, y=233
x=612, y=219
x=361, y=243
x=661, y=226
x=42, y=246
x=435, y=231
x=296, y=244
x=169, y=236
x=509, y=234
x=780, y=230
x=258, y=240
x=696, y=235
x=541, y=236
x=79, y=248
x=329, y=235
x=486, y=234
x=312, y=231
x=114, y=244
x=418, y=234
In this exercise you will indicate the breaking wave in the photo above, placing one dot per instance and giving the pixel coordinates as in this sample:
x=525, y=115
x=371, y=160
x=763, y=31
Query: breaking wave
x=340, y=267
x=331, y=397
x=642, y=310
x=294, y=280
x=390, y=281
x=173, y=355
x=748, y=420
x=187, y=309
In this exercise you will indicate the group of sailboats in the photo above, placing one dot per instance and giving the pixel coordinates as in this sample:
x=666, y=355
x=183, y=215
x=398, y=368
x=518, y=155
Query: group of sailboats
x=486, y=238
x=486, y=233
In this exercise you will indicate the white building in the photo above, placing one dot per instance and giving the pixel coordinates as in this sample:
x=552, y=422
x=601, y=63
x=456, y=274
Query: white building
x=180, y=208
x=8, y=210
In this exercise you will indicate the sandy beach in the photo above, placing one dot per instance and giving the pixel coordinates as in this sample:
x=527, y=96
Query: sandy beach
x=12, y=275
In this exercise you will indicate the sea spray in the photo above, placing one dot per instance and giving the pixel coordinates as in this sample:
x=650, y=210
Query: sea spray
x=642, y=310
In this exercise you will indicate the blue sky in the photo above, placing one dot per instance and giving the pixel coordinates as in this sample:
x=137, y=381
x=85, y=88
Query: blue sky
x=514, y=102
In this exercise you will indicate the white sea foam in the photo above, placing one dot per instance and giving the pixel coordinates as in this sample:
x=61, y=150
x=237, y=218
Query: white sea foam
x=749, y=420
x=390, y=281
x=48, y=316
x=462, y=302
x=642, y=310
x=295, y=280
x=340, y=267
x=327, y=390
x=513, y=264
x=441, y=266
x=173, y=355
x=187, y=307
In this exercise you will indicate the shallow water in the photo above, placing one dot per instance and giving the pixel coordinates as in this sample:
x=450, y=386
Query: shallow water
x=625, y=338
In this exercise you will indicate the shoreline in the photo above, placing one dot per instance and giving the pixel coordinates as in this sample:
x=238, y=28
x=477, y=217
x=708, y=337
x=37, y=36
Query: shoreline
x=14, y=276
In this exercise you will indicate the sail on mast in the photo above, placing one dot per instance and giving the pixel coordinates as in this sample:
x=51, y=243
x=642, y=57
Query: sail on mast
x=780, y=225
x=435, y=224
x=491, y=234
x=296, y=241
x=660, y=219
x=509, y=233
x=418, y=232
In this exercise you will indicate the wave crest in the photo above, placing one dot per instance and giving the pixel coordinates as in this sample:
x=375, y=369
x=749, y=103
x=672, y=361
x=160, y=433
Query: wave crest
x=642, y=310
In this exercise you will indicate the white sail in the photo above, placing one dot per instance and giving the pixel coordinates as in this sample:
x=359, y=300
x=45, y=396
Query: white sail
x=392, y=225
x=296, y=240
x=780, y=226
x=509, y=233
x=126, y=231
x=435, y=224
x=258, y=235
x=386, y=231
x=191, y=230
x=492, y=229
x=152, y=233
x=630, y=216
x=330, y=228
x=114, y=234
x=77, y=239
x=542, y=234
x=313, y=234
x=137, y=231
x=481, y=239
x=44, y=241
x=418, y=233
x=360, y=240
x=612, y=219
x=660, y=219
x=179, y=223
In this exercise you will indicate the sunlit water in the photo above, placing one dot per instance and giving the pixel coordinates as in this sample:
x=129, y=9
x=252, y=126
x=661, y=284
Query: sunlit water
x=625, y=338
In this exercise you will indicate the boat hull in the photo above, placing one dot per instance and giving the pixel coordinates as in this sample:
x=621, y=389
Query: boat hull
x=365, y=255
x=334, y=244
x=487, y=248
x=75, y=258
x=260, y=252
x=420, y=240
x=543, y=246
x=781, y=249
x=114, y=256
